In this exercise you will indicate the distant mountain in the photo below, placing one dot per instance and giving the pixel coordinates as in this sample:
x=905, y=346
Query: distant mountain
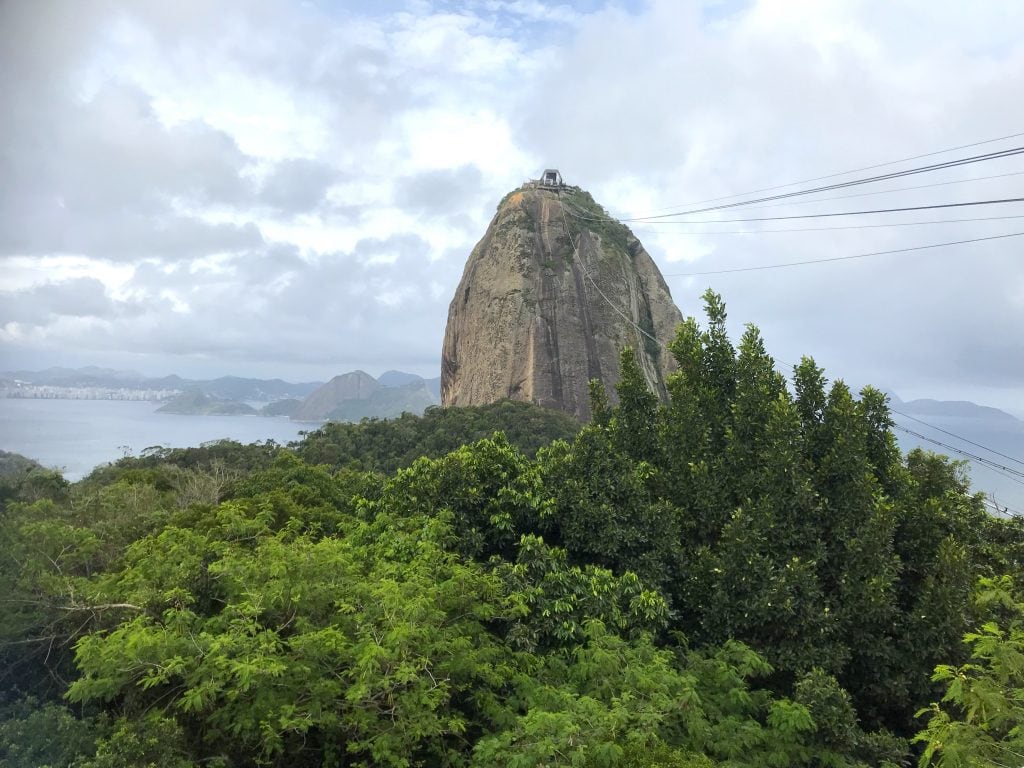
x=401, y=378
x=89, y=376
x=357, y=385
x=386, y=402
x=235, y=388
x=397, y=378
x=357, y=395
x=196, y=403
x=225, y=387
x=963, y=409
x=281, y=407
x=238, y=388
x=96, y=372
x=169, y=382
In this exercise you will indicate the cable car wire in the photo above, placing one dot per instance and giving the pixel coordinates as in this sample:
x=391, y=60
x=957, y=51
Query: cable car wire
x=663, y=232
x=953, y=434
x=1007, y=472
x=846, y=173
x=841, y=185
x=889, y=191
x=840, y=258
x=830, y=214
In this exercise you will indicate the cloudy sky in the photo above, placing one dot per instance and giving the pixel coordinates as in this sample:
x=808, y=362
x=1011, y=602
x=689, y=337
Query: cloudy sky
x=291, y=189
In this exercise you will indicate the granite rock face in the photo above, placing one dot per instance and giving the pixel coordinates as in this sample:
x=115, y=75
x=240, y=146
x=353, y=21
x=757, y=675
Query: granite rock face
x=548, y=298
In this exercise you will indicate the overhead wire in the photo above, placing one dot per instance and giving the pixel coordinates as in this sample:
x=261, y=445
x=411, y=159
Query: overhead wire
x=662, y=233
x=1007, y=472
x=887, y=191
x=830, y=214
x=958, y=437
x=583, y=216
x=846, y=173
x=1002, y=509
x=828, y=259
x=1012, y=152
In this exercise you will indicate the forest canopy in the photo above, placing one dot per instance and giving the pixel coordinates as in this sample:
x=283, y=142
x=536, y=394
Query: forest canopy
x=749, y=575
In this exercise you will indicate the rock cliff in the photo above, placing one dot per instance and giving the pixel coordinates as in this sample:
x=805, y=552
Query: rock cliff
x=548, y=298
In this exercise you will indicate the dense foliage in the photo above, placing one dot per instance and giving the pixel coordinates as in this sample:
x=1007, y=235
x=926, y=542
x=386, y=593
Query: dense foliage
x=384, y=445
x=751, y=575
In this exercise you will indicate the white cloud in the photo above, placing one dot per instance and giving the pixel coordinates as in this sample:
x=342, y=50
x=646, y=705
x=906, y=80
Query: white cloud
x=307, y=181
x=22, y=272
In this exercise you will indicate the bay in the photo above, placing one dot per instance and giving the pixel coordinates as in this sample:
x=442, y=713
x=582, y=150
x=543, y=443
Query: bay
x=77, y=435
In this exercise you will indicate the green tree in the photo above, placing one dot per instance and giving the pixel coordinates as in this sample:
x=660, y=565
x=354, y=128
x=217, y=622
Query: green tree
x=634, y=425
x=34, y=734
x=979, y=722
x=257, y=639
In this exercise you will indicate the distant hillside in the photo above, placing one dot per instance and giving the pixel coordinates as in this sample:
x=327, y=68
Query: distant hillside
x=357, y=385
x=386, y=402
x=357, y=395
x=225, y=387
x=401, y=378
x=952, y=408
x=281, y=407
x=397, y=378
x=235, y=388
x=90, y=375
x=196, y=403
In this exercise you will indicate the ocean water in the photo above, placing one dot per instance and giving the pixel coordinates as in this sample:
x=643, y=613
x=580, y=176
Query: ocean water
x=77, y=435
